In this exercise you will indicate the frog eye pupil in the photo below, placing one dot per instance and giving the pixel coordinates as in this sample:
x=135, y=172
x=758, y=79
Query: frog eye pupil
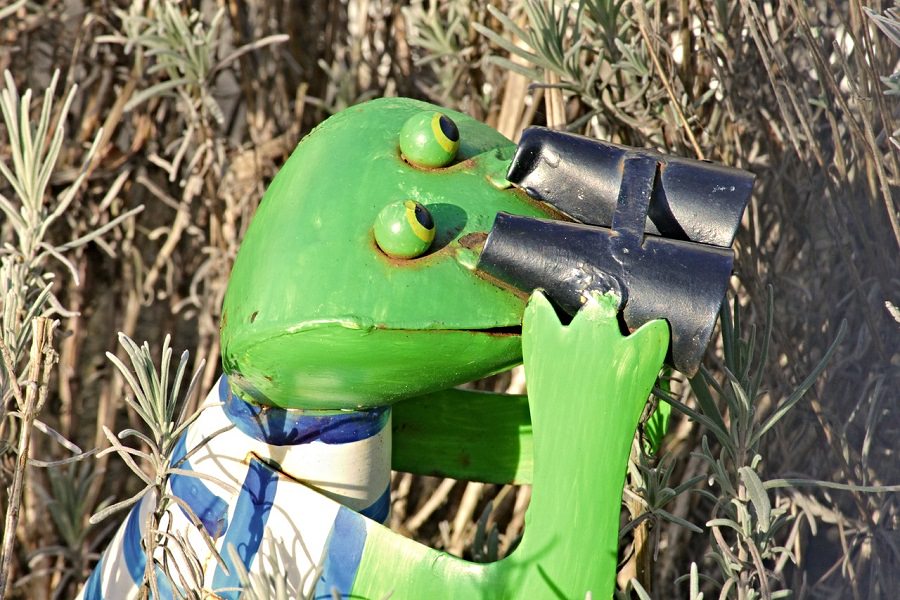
x=449, y=129
x=424, y=217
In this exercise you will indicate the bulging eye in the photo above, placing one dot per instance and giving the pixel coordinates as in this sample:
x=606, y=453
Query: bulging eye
x=404, y=229
x=429, y=140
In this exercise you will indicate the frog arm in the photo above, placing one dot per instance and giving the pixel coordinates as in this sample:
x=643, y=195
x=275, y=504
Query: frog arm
x=478, y=436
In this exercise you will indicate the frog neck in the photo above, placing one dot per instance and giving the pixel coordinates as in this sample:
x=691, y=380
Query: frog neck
x=346, y=455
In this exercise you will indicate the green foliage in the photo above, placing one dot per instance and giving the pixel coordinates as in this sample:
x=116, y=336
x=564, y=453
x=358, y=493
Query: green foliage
x=453, y=54
x=444, y=38
x=744, y=524
x=154, y=401
x=592, y=51
x=486, y=543
x=548, y=33
x=652, y=486
x=66, y=500
x=656, y=425
x=25, y=275
x=183, y=48
x=635, y=589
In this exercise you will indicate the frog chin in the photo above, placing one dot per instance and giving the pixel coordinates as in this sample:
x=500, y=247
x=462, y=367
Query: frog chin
x=334, y=367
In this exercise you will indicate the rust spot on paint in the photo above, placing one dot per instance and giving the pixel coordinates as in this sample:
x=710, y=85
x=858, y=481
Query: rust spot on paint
x=408, y=263
x=469, y=163
x=473, y=241
x=551, y=212
x=461, y=165
x=500, y=331
x=521, y=294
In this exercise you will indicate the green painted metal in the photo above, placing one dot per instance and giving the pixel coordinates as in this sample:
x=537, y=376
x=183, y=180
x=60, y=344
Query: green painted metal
x=657, y=425
x=479, y=436
x=587, y=389
x=317, y=316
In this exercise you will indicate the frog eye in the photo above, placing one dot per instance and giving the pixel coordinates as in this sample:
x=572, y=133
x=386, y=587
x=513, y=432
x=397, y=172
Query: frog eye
x=429, y=140
x=404, y=229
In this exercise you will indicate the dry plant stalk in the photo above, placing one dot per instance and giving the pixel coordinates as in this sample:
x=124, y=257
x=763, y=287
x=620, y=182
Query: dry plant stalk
x=41, y=359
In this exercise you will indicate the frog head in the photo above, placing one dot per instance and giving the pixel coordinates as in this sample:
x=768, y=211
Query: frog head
x=339, y=297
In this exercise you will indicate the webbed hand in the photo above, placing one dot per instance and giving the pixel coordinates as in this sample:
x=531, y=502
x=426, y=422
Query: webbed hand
x=587, y=356
x=587, y=385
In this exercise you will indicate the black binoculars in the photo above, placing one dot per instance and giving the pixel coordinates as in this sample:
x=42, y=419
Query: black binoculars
x=654, y=229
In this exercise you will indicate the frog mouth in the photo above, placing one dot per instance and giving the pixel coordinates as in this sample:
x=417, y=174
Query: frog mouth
x=343, y=364
x=499, y=330
x=508, y=330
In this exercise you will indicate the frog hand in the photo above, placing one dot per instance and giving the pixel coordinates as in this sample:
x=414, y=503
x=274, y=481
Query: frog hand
x=587, y=386
x=588, y=363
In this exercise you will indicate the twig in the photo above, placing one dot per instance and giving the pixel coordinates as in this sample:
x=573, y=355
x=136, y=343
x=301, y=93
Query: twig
x=517, y=522
x=434, y=502
x=761, y=569
x=553, y=100
x=35, y=392
x=463, y=517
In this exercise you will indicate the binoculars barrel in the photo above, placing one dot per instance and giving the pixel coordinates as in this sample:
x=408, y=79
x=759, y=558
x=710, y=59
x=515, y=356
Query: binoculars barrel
x=692, y=200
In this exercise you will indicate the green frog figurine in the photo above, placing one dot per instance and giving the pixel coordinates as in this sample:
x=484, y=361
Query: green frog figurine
x=357, y=304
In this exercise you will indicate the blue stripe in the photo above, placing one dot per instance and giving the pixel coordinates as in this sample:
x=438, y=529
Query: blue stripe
x=288, y=427
x=136, y=558
x=378, y=510
x=345, y=549
x=209, y=508
x=93, y=589
x=248, y=523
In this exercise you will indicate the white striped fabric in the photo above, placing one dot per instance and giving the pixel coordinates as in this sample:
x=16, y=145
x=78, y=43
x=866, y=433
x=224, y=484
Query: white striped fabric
x=264, y=497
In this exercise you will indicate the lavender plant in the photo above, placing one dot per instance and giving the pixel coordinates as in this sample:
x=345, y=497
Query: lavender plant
x=187, y=55
x=155, y=401
x=26, y=280
x=744, y=525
